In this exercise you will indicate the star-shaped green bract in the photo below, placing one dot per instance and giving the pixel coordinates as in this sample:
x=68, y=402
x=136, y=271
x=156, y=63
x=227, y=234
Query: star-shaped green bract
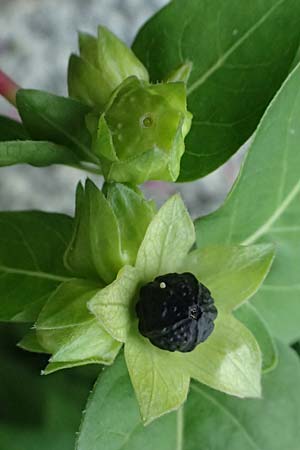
x=230, y=359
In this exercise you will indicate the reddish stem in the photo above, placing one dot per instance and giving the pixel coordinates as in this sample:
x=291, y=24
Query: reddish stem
x=8, y=88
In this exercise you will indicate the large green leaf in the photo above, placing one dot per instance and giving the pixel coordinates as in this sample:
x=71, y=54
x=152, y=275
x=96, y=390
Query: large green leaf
x=208, y=420
x=264, y=206
x=32, y=245
x=36, y=153
x=11, y=129
x=112, y=419
x=241, y=52
x=57, y=119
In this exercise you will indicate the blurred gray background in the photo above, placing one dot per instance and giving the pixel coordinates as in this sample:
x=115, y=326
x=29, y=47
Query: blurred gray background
x=36, y=38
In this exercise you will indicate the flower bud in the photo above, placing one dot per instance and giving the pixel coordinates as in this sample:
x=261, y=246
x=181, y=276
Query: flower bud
x=103, y=64
x=140, y=136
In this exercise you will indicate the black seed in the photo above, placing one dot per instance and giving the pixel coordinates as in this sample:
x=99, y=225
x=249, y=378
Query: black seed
x=176, y=312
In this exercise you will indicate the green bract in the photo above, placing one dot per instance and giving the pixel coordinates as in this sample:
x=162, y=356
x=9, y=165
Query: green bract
x=140, y=136
x=230, y=360
x=120, y=245
x=104, y=62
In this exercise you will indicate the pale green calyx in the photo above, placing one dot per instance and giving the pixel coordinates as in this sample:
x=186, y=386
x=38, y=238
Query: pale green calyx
x=140, y=135
x=230, y=359
x=104, y=62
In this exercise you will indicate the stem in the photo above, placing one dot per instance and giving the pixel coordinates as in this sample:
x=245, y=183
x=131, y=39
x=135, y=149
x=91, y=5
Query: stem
x=8, y=88
x=180, y=426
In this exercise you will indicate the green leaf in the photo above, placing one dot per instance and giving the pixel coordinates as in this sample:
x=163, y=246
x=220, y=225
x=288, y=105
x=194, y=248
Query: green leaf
x=38, y=412
x=248, y=315
x=134, y=214
x=69, y=331
x=86, y=83
x=167, y=241
x=240, y=52
x=11, y=129
x=114, y=305
x=57, y=119
x=112, y=420
x=95, y=249
x=264, y=206
x=31, y=343
x=160, y=382
x=229, y=361
x=36, y=153
x=232, y=273
x=31, y=261
x=270, y=423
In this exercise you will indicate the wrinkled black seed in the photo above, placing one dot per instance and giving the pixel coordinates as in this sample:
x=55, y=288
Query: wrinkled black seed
x=176, y=312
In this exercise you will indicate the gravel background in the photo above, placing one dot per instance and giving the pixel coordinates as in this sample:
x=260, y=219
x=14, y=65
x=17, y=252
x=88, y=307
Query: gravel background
x=36, y=38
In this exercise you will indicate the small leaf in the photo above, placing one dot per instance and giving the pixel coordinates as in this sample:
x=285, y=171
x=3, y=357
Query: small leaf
x=113, y=305
x=273, y=216
x=229, y=361
x=241, y=53
x=95, y=249
x=57, y=119
x=232, y=273
x=119, y=426
x=160, y=382
x=66, y=328
x=11, y=130
x=35, y=153
x=31, y=343
x=31, y=261
x=248, y=315
x=134, y=214
x=168, y=238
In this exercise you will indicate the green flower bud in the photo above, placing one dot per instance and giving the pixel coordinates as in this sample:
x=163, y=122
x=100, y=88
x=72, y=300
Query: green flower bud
x=103, y=64
x=140, y=136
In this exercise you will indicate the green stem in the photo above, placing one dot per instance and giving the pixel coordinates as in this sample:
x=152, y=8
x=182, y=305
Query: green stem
x=180, y=428
x=8, y=88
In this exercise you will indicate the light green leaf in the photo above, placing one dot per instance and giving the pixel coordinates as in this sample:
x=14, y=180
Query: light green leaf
x=270, y=423
x=241, y=53
x=229, y=361
x=48, y=117
x=119, y=426
x=11, y=130
x=95, y=250
x=31, y=261
x=31, y=343
x=35, y=153
x=264, y=205
x=160, y=382
x=69, y=331
x=232, y=273
x=86, y=83
x=167, y=241
x=134, y=213
x=113, y=305
x=248, y=315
